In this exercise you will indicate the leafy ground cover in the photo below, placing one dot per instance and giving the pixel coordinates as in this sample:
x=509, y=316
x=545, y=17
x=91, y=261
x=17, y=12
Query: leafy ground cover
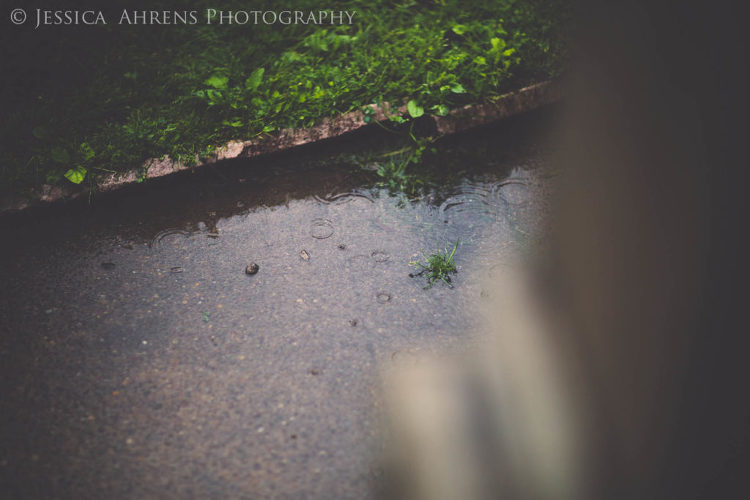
x=85, y=100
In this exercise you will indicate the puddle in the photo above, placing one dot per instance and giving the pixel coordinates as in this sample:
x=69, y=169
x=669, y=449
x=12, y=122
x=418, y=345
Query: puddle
x=188, y=315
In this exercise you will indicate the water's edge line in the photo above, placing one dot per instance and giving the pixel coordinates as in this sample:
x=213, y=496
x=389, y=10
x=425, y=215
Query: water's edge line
x=458, y=120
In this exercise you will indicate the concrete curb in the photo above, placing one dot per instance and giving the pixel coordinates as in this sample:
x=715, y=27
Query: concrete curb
x=458, y=120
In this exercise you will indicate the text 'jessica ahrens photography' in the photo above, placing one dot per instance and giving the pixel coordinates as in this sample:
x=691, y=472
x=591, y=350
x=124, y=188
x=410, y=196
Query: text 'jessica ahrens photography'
x=188, y=17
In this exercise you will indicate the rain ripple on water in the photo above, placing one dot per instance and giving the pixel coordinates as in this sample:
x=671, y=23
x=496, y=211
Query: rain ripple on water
x=338, y=199
x=321, y=229
x=380, y=256
x=157, y=240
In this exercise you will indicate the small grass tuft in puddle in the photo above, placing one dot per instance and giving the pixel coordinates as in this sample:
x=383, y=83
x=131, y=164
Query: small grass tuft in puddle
x=437, y=267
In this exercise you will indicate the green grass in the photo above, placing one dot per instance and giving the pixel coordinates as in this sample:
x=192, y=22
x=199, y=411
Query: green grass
x=103, y=99
x=437, y=266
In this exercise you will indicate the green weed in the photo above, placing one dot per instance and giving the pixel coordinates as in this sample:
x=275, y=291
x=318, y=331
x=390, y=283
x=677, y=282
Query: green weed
x=392, y=167
x=437, y=267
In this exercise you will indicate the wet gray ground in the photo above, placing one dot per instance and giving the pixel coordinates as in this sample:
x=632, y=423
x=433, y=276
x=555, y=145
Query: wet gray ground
x=140, y=361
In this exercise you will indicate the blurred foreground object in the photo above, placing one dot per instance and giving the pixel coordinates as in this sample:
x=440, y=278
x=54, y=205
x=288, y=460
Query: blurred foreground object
x=637, y=388
x=500, y=422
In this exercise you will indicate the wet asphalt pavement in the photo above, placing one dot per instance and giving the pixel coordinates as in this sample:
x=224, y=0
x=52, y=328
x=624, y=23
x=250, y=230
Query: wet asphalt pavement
x=140, y=360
